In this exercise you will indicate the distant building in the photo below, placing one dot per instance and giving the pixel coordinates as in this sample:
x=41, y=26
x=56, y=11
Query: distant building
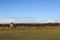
x=11, y=24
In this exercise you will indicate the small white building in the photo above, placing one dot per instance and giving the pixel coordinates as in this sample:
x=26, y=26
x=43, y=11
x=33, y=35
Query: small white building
x=11, y=24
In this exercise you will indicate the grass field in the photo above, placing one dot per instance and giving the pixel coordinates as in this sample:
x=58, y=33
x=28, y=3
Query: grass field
x=29, y=34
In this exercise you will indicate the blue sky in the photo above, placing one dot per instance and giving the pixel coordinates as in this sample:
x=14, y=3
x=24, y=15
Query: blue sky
x=31, y=10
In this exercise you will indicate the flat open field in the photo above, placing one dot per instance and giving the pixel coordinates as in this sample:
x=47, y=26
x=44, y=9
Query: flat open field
x=29, y=34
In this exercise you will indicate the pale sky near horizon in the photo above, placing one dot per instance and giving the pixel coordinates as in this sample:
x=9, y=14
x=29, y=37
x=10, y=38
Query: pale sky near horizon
x=29, y=10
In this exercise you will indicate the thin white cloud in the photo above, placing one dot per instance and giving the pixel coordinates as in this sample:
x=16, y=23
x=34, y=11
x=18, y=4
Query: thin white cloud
x=38, y=20
x=6, y=20
x=25, y=20
x=9, y=20
x=51, y=21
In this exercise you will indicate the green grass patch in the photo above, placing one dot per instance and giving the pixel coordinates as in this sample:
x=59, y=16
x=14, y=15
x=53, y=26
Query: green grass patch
x=29, y=34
